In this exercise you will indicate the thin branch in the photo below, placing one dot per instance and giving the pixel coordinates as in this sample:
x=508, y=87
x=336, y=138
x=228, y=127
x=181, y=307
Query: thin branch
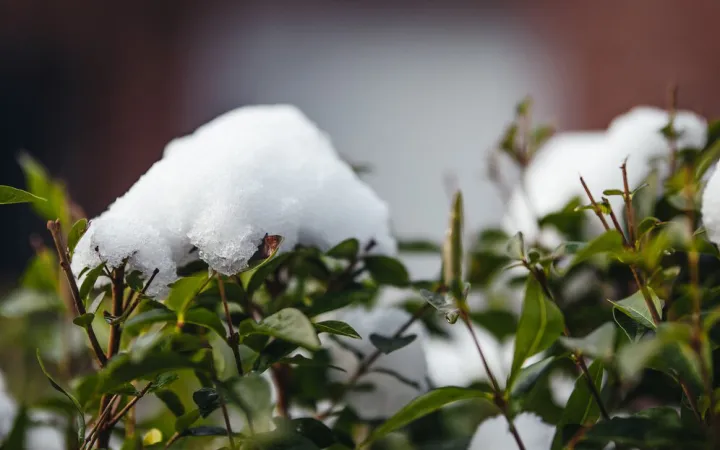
x=226, y=417
x=117, y=417
x=118, y=288
x=54, y=227
x=94, y=432
x=136, y=298
x=232, y=338
x=578, y=358
x=596, y=208
x=629, y=210
x=365, y=365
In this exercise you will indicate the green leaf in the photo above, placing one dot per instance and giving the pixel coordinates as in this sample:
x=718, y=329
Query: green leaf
x=338, y=328
x=253, y=395
x=205, y=430
x=122, y=368
x=279, y=440
x=598, y=344
x=184, y=291
x=15, y=440
x=300, y=360
x=581, y=408
x=388, y=345
x=138, y=321
x=89, y=282
x=347, y=249
x=647, y=225
x=610, y=241
x=80, y=416
x=418, y=247
x=424, y=405
x=76, y=232
x=41, y=185
x=613, y=192
x=636, y=308
x=183, y=422
x=516, y=247
x=632, y=329
x=207, y=319
x=498, y=322
x=528, y=376
x=85, y=320
x=207, y=400
x=288, y=324
x=10, y=195
x=540, y=324
x=261, y=273
x=386, y=270
x=172, y=401
x=453, y=248
x=312, y=429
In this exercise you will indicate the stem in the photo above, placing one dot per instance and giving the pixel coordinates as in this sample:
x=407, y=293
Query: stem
x=136, y=298
x=596, y=208
x=118, y=288
x=232, y=338
x=104, y=413
x=578, y=358
x=226, y=417
x=112, y=422
x=365, y=365
x=498, y=397
x=629, y=210
x=279, y=377
x=54, y=228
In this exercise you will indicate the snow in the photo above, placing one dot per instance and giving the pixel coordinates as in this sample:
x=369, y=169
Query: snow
x=711, y=206
x=251, y=171
x=552, y=179
x=493, y=433
x=389, y=394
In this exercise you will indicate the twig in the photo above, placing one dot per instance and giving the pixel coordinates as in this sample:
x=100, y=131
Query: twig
x=54, y=227
x=578, y=358
x=136, y=298
x=498, y=397
x=629, y=210
x=226, y=417
x=104, y=413
x=117, y=417
x=365, y=365
x=596, y=208
x=278, y=374
x=118, y=288
x=232, y=338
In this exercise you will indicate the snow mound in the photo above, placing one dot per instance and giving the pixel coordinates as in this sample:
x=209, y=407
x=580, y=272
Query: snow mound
x=389, y=393
x=552, y=179
x=215, y=194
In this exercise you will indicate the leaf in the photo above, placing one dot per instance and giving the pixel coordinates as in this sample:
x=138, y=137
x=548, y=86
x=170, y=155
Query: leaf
x=338, y=328
x=388, y=345
x=610, y=241
x=76, y=232
x=647, y=225
x=280, y=440
x=313, y=429
x=261, y=273
x=10, y=195
x=183, y=422
x=172, y=401
x=540, y=324
x=422, y=406
x=611, y=192
x=122, y=368
x=143, y=319
x=528, y=376
x=253, y=395
x=80, y=416
x=581, y=408
x=207, y=400
x=184, y=291
x=207, y=319
x=288, y=324
x=598, y=344
x=418, y=247
x=453, y=249
x=15, y=439
x=152, y=437
x=386, y=270
x=205, y=430
x=265, y=252
x=300, y=360
x=516, y=247
x=89, y=282
x=636, y=308
x=41, y=185
x=498, y=322
x=347, y=249
x=632, y=329
x=85, y=320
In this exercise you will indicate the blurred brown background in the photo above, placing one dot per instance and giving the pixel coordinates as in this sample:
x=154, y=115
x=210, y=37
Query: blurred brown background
x=417, y=88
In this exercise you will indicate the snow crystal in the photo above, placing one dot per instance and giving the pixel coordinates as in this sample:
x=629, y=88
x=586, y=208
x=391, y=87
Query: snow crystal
x=552, y=179
x=494, y=433
x=215, y=194
x=389, y=394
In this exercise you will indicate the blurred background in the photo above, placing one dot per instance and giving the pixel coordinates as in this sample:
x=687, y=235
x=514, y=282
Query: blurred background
x=418, y=90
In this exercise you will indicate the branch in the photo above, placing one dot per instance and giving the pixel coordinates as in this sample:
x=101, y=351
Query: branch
x=54, y=227
x=232, y=339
